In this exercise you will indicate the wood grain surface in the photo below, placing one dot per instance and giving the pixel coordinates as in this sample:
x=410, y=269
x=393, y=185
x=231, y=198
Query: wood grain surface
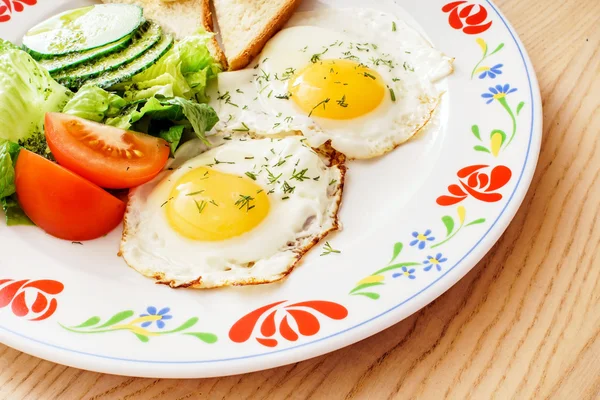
x=523, y=324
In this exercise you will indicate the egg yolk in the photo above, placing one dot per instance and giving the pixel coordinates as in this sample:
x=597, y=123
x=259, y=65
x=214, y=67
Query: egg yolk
x=210, y=205
x=337, y=89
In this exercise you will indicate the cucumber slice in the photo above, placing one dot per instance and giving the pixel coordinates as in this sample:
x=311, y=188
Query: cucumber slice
x=60, y=63
x=125, y=73
x=82, y=29
x=142, y=42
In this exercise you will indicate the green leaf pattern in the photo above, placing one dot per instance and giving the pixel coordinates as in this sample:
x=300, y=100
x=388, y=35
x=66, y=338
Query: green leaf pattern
x=454, y=225
x=139, y=326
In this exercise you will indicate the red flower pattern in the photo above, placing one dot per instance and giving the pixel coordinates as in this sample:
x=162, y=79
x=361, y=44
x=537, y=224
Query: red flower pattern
x=13, y=293
x=468, y=17
x=280, y=319
x=480, y=185
x=7, y=7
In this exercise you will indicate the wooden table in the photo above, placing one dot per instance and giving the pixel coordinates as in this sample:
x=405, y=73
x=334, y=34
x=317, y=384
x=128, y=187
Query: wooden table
x=524, y=323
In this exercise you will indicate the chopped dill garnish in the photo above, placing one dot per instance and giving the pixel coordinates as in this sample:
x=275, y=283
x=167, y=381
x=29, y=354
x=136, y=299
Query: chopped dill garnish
x=200, y=206
x=251, y=175
x=393, y=95
x=332, y=182
x=213, y=203
x=407, y=67
x=368, y=75
x=327, y=249
x=163, y=204
x=394, y=26
x=195, y=193
x=342, y=102
x=264, y=75
x=324, y=102
x=244, y=129
x=287, y=74
x=349, y=56
x=381, y=61
x=227, y=97
x=300, y=176
x=244, y=201
x=287, y=188
x=317, y=57
x=217, y=162
x=273, y=178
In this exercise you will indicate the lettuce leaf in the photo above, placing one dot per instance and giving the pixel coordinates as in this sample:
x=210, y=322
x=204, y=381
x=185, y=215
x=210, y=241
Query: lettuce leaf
x=183, y=72
x=172, y=136
x=27, y=92
x=13, y=211
x=94, y=104
x=8, y=199
x=8, y=156
x=202, y=117
x=181, y=112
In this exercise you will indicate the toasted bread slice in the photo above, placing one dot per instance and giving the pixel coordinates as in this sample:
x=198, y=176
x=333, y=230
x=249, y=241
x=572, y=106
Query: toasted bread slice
x=246, y=25
x=181, y=18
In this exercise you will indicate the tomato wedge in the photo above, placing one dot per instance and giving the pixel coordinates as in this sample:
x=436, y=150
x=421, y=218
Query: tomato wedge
x=63, y=204
x=110, y=157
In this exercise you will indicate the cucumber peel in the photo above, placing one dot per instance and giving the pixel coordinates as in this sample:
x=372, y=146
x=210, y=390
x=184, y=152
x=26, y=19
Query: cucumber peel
x=82, y=29
x=142, y=43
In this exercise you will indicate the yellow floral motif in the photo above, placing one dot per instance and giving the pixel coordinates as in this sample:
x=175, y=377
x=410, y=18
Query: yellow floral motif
x=371, y=279
x=496, y=141
x=482, y=44
x=462, y=212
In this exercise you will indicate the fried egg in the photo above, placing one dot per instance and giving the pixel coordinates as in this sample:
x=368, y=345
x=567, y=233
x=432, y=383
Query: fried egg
x=362, y=79
x=244, y=212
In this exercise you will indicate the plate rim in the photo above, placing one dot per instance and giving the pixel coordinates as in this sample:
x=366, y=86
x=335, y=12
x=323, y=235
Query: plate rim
x=349, y=335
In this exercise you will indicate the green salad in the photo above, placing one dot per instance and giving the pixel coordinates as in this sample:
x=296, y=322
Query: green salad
x=130, y=75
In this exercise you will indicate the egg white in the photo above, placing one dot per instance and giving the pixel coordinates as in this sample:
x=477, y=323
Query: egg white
x=295, y=223
x=410, y=67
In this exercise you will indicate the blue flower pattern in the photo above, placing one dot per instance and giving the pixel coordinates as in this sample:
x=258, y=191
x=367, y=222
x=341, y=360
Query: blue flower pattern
x=163, y=314
x=491, y=72
x=405, y=272
x=421, y=239
x=497, y=92
x=436, y=261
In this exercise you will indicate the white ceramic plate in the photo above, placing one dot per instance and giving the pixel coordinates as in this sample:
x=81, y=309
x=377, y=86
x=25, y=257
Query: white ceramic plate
x=433, y=208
